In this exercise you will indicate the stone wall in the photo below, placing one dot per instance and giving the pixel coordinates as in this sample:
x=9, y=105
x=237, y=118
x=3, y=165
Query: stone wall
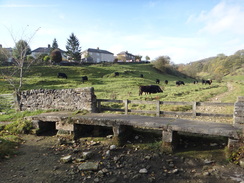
x=62, y=99
x=239, y=112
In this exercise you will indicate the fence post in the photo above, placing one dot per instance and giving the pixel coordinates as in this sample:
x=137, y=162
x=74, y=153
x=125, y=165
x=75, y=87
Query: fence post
x=126, y=106
x=238, y=116
x=99, y=105
x=194, y=109
x=157, y=108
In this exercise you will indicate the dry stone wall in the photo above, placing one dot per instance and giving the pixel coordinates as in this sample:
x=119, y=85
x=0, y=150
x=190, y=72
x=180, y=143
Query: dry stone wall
x=60, y=99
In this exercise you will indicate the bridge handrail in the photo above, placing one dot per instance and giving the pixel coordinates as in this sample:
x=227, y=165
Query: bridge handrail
x=157, y=103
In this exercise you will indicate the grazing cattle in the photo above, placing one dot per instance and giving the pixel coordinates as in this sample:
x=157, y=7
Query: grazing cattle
x=141, y=76
x=62, y=75
x=166, y=82
x=203, y=81
x=178, y=83
x=116, y=74
x=157, y=81
x=149, y=89
x=194, y=82
x=84, y=78
x=207, y=81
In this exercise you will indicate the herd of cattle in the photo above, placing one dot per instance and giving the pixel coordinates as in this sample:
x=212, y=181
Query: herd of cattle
x=148, y=89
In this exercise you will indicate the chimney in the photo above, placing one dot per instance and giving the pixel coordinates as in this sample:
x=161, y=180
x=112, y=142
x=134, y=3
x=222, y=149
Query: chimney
x=98, y=48
x=48, y=46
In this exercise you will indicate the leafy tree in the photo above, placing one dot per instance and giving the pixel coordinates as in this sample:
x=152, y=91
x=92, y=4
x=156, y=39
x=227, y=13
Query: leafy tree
x=56, y=56
x=21, y=50
x=73, y=48
x=161, y=63
x=147, y=58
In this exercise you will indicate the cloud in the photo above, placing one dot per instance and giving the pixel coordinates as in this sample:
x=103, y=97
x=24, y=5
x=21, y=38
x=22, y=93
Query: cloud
x=224, y=17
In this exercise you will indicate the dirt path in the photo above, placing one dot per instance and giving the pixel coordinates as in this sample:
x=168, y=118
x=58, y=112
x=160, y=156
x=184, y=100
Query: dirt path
x=39, y=162
x=218, y=98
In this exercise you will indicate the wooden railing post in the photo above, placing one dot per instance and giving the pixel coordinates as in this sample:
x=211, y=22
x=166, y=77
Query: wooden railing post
x=99, y=105
x=126, y=106
x=194, y=109
x=157, y=108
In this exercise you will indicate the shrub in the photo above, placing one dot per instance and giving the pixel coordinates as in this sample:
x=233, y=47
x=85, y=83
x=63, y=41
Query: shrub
x=19, y=127
x=56, y=56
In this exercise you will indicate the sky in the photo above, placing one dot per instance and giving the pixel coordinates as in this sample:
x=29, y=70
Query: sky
x=184, y=30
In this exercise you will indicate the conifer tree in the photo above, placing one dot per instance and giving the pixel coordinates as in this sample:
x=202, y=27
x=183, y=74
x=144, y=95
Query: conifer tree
x=73, y=48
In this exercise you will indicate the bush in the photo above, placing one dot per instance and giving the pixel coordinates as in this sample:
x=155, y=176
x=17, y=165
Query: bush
x=237, y=153
x=19, y=127
x=56, y=56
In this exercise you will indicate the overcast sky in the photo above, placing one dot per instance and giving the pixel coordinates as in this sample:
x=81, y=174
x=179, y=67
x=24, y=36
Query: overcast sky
x=184, y=30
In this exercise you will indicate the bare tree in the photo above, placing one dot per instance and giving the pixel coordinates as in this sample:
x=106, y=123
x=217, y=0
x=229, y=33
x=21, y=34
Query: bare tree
x=14, y=74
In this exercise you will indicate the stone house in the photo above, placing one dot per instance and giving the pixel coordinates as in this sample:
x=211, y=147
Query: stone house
x=125, y=56
x=96, y=56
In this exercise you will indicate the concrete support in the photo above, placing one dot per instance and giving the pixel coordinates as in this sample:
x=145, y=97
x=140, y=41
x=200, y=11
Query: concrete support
x=169, y=140
x=232, y=143
x=120, y=134
x=64, y=129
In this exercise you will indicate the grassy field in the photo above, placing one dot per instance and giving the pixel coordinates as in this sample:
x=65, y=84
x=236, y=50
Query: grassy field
x=126, y=85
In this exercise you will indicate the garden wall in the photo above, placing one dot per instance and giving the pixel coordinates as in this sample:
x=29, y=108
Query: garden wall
x=60, y=99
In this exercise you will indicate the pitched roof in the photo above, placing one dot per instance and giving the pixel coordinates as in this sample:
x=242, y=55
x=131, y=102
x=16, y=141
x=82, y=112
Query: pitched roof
x=98, y=51
x=125, y=53
x=45, y=50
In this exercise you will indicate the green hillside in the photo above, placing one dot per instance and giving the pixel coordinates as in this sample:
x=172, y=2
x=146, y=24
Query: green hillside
x=124, y=86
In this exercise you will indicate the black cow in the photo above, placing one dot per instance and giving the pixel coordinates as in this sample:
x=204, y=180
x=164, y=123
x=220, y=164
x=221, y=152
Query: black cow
x=166, y=82
x=178, y=83
x=62, y=75
x=207, y=81
x=141, y=76
x=116, y=74
x=195, y=82
x=203, y=81
x=149, y=89
x=157, y=81
x=84, y=78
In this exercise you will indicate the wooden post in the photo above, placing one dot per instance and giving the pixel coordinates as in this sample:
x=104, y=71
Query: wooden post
x=126, y=106
x=99, y=105
x=157, y=108
x=194, y=109
x=238, y=116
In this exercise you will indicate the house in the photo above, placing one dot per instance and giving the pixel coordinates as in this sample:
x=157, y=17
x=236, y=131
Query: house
x=125, y=56
x=96, y=56
x=8, y=53
x=45, y=51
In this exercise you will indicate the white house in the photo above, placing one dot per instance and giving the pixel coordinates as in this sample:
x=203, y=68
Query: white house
x=46, y=51
x=96, y=56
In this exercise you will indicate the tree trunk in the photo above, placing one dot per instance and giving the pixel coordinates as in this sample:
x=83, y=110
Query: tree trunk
x=17, y=96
